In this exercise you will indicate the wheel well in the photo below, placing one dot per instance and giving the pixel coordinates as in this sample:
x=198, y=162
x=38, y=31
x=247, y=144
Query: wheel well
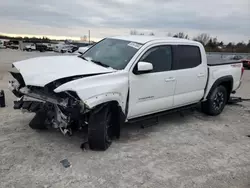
x=119, y=116
x=229, y=86
x=226, y=81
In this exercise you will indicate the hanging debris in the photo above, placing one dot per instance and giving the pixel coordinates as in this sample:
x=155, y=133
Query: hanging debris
x=2, y=99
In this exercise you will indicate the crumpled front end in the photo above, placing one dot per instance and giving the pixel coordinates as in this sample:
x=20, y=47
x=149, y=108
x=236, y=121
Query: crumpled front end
x=63, y=110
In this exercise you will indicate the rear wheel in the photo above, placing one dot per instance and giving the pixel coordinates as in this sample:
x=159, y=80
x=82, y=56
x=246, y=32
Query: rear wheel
x=216, y=101
x=100, y=129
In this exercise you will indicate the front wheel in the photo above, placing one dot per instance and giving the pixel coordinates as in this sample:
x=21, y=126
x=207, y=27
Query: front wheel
x=100, y=128
x=216, y=101
x=39, y=120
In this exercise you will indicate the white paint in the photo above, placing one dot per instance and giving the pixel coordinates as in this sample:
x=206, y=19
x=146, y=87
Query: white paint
x=164, y=90
x=144, y=66
x=82, y=50
x=30, y=47
x=190, y=83
x=43, y=70
x=148, y=93
x=134, y=45
x=216, y=72
x=145, y=39
x=59, y=47
x=98, y=89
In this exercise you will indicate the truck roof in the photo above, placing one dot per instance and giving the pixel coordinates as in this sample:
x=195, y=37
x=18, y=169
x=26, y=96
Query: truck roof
x=144, y=39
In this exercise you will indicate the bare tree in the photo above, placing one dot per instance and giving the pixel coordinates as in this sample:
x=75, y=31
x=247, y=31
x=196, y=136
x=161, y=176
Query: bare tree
x=151, y=34
x=169, y=35
x=248, y=45
x=181, y=35
x=133, y=32
x=202, y=38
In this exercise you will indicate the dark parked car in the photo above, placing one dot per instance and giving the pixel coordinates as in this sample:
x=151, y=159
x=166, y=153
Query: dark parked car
x=41, y=47
x=237, y=57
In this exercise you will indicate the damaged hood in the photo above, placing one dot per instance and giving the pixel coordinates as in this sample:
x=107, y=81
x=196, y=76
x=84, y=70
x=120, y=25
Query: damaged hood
x=43, y=70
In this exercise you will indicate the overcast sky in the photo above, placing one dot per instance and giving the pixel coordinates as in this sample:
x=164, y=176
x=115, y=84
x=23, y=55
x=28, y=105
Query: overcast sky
x=229, y=20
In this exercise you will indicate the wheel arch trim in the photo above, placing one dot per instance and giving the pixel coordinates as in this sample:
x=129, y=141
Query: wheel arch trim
x=105, y=98
x=219, y=81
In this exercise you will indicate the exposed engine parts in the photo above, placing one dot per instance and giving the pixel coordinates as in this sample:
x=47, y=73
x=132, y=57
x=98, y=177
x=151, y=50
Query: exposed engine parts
x=55, y=116
x=60, y=110
x=61, y=121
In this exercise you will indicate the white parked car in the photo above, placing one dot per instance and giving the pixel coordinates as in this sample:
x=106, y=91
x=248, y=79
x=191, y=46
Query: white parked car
x=69, y=49
x=2, y=44
x=59, y=47
x=82, y=50
x=30, y=47
x=121, y=79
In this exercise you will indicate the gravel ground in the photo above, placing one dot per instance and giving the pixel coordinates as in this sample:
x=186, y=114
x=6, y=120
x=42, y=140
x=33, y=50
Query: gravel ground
x=193, y=150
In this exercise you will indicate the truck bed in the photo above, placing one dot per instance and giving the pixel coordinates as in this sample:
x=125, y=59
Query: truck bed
x=213, y=61
x=219, y=68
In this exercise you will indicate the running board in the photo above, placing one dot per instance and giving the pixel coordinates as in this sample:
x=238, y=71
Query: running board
x=148, y=117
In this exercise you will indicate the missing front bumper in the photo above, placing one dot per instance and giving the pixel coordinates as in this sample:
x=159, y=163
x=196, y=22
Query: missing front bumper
x=31, y=106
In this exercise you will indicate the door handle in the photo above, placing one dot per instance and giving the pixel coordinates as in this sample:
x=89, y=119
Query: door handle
x=170, y=79
x=201, y=75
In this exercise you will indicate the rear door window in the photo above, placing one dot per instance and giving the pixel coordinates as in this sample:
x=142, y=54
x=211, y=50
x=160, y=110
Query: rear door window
x=186, y=56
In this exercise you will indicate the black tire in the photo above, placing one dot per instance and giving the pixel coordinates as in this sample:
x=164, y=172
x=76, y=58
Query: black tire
x=100, y=128
x=38, y=122
x=216, y=101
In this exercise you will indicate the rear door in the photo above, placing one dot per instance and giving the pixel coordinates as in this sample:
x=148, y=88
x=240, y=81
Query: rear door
x=191, y=75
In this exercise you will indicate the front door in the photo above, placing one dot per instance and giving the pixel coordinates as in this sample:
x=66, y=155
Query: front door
x=152, y=92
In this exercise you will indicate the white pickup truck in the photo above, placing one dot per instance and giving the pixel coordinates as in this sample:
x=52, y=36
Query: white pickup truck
x=118, y=80
x=30, y=47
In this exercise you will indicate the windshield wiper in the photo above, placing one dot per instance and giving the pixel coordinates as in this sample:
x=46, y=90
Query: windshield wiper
x=99, y=63
x=80, y=56
x=94, y=61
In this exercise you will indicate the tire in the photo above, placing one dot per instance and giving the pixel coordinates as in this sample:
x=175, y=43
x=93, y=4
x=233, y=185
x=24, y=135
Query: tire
x=100, y=129
x=38, y=122
x=216, y=101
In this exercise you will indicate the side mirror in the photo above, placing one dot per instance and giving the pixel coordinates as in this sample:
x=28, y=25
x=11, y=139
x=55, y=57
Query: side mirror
x=144, y=67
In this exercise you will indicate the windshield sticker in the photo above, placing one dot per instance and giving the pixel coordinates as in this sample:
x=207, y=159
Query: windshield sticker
x=134, y=45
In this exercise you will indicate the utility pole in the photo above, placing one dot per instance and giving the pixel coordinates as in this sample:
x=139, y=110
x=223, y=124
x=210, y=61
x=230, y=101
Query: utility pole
x=89, y=36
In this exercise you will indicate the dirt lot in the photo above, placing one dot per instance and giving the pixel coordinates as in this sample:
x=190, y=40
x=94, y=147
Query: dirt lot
x=193, y=150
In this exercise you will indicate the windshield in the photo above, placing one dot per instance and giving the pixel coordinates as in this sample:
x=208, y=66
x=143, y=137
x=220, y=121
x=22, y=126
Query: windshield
x=113, y=53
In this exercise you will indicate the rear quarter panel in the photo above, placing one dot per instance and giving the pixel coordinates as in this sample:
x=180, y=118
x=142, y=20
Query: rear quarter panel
x=216, y=72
